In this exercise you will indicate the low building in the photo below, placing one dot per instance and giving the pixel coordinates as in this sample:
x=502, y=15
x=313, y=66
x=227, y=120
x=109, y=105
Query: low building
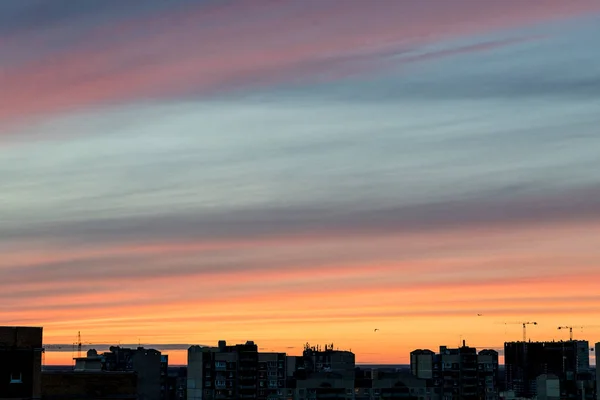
x=89, y=385
x=20, y=362
x=92, y=362
x=401, y=385
x=548, y=387
x=322, y=373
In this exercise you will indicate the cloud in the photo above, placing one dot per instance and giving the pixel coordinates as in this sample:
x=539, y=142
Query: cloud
x=353, y=181
x=142, y=56
x=483, y=210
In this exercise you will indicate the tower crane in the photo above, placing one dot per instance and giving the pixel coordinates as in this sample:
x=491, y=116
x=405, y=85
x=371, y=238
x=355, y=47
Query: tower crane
x=570, y=328
x=524, y=327
x=78, y=346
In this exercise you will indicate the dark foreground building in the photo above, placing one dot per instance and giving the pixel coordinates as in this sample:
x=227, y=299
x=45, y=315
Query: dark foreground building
x=235, y=372
x=89, y=385
x=149, y=365
x=457, y=374
x=566, y=360
x=20, y=363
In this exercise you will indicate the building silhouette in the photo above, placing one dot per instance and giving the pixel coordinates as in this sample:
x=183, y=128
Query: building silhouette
x=457, y=373
x=393, y=384
x=322, y=372
x=177, y=383
x=89, y=385
x=20, y=362
x=567, y=360
x=235, y=372
x=597, y=351
x=421, y=363
x=149, y=365
x=488, y=375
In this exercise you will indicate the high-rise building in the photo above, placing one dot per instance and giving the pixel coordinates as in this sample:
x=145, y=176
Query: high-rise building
x=597, y=352
x=487, y=361
x=421, y=363
x=459, y=373
x=148, y=364
x=568, y=360
x=235, y=372
x=20, y=363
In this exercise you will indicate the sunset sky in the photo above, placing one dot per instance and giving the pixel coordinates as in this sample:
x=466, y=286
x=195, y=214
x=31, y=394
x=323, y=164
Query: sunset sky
x=291, y=171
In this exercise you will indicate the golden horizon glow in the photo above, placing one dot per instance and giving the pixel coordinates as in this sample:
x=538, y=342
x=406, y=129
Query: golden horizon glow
x=421, y=302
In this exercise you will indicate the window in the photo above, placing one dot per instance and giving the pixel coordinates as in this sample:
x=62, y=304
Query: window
x=16, y=378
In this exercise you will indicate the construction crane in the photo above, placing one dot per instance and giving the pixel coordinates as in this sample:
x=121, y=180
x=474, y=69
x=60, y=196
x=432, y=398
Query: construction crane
x=78, y=346
x=570, y=328
x=524, y=327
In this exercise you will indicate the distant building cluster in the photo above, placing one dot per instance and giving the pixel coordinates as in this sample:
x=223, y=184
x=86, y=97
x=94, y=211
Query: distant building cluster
x=532, y=370
x=459, y=373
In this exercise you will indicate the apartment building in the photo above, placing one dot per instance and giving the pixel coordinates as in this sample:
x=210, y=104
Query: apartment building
x=149, y=365
x=597, y=351
x=20, y=362
x=457, y=373
x=235, y=372
x=322, y=373
x=421, y=363
x=487, y=364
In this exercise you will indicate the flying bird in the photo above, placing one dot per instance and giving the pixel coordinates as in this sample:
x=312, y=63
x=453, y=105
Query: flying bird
x=375, y=330
x=480, y=315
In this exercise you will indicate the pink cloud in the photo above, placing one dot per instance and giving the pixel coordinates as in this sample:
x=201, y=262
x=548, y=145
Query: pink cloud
x=208, y=49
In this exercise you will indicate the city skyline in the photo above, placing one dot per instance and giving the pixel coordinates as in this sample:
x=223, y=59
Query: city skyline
x=178, y=351
x=290, y=172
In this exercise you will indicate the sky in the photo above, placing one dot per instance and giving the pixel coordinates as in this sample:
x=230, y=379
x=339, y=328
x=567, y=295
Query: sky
x=300, y=171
